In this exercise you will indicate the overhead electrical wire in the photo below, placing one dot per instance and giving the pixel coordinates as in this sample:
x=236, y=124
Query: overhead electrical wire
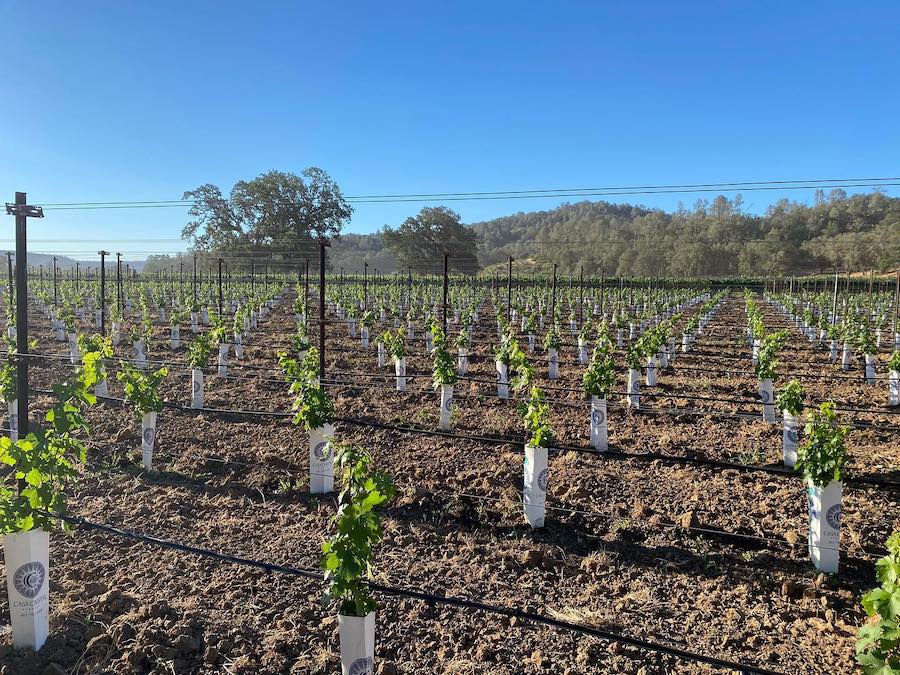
x=748, y=186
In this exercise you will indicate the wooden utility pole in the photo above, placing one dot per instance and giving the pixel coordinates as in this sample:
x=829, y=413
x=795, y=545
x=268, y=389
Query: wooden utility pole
x=119, y=293
x=509, y=288
x=322, y=245
x=446, y=288
x=553, y=298
x=581, y=295
x=103, y=255
x=834, y=301
x=22, y=211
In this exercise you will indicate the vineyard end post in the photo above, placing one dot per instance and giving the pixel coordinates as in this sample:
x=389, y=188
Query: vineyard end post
x=103, y=255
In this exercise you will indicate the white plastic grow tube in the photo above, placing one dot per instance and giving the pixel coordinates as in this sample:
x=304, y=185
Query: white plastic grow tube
x=196, y=388
x=400, y=373
x=825, y=525
x=535, y=493
x=357, y=640
x=790, y=439
x=224, y=348
x=27, y=560
x=502, y=380
x=634, y=388
x=446, y=406
x=148, y=438
x=599, y=432
x=321, y=459
x=767, y=396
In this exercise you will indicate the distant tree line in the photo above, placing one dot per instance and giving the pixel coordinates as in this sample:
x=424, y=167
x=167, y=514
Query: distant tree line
x=280, y=216
x=717, y=237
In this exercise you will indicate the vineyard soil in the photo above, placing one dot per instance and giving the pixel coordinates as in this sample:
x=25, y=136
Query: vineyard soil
x=635, y=545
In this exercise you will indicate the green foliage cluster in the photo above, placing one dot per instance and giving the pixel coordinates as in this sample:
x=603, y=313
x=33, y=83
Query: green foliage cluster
x=67, y=316
x=394, y=342
x=348, y=556
x=691, y=326
x=198, y=352
x=237, y=325
x=8, y=371
x=312, y=406
x=444, y=370
x=893, y=363
x=634, y=355
x=519, y=372
x=142, y=331
x=553, y=339
x=878, y=647
x=651, y=342
x=600, y=375
x=462, y=338
x=823, y=457
x=767, y=360
x=218, y=331
x=300, y=341
x=505, y=350
x=790, y=398
x=45, y=460
x=141, y=389
x=584, y=333
x=535, y=415
x=368, y=318
x=299, y=304
x=604, y=335
x=865, y=341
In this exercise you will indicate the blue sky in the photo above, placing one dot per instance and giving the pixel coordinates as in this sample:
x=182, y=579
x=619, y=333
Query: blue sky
x=131, y=100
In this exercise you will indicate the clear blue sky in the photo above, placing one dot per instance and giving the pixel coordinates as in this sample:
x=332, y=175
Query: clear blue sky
x=143, y=100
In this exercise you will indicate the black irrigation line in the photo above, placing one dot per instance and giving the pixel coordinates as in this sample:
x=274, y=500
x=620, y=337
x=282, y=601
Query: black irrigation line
x=613, y=454
x=476, y=356
x=457, y=394
x=208, y=370
x=332, y=381
x=149, y=361
x=470, y=357
x=741, y=415
x=329, y=382
x=429, y=598
x=500, y=440
x=643, y=392
x=479, y=396
x=769, y=540
x=812, y=376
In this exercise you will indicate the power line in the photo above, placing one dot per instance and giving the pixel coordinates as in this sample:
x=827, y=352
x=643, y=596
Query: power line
x=749, y=186
x=636, y=187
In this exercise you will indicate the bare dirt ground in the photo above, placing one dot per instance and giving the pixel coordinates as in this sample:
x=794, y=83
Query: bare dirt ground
x=632, y=544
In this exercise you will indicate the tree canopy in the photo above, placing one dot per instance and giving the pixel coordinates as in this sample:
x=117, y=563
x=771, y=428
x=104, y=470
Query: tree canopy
x=276, y=212
x=717, y=237
x=421, y=240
